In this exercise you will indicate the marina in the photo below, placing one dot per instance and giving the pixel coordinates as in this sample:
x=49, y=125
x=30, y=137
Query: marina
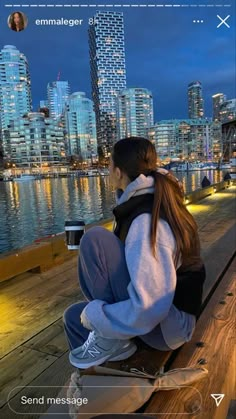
x=196, y=166
x=12, y=176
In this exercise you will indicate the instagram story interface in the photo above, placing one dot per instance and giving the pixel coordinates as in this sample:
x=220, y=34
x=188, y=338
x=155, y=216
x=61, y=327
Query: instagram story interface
x=76, y=77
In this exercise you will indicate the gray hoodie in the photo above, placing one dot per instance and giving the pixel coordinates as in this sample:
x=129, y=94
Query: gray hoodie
x=152, y=286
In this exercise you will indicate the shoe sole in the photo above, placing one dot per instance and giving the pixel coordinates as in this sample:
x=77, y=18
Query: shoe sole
x=120, y=357
x=124, y=355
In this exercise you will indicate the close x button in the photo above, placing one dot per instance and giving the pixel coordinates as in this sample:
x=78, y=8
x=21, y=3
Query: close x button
x=223, y=21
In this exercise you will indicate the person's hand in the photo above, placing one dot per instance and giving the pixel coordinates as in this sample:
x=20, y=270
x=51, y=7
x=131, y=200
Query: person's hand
x=85, y=321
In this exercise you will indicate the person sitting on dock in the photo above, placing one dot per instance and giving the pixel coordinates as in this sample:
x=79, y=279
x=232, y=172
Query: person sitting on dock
x=227, y=176
x=205, y=182
x=143, y=280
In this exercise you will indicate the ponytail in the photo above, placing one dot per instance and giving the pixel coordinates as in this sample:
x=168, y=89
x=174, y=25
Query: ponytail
x=169, y=200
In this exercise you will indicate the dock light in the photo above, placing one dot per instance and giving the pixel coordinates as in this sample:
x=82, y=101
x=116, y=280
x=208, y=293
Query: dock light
x=186, y=201
x=214, y=189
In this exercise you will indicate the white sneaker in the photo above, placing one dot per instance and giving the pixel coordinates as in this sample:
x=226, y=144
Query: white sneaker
x=96, y=350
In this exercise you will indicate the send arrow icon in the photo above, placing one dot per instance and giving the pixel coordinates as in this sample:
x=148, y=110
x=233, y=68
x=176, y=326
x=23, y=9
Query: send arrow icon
x=218, y=398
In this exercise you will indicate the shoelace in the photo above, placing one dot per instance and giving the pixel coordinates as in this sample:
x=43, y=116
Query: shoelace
x=91, y=339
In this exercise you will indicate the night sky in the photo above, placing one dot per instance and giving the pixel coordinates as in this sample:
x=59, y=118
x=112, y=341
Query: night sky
x=165, y=50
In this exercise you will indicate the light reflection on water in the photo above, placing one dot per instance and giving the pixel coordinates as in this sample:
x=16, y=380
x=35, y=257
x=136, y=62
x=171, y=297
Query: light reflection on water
x=34, y=209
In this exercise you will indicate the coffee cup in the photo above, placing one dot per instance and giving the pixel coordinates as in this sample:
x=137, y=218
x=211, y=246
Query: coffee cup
x=74, y=232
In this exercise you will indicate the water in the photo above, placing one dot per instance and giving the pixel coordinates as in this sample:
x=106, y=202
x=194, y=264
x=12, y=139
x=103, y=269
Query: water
x=33, y=209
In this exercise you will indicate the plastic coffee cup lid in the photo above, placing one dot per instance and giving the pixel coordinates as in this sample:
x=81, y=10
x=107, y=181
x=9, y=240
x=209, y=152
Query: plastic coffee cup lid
x=74, y=223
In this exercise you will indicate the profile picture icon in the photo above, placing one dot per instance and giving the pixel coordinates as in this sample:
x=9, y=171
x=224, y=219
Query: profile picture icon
x=17, y=21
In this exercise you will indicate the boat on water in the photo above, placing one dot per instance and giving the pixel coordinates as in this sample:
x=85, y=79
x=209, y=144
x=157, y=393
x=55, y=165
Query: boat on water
x=191, y=166
x=24, y=178
x=225, y=166
x=104, y=172
x=7, y=178
x=93, y=173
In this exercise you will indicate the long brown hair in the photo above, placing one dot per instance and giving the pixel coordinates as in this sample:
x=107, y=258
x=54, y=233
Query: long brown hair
x=135, y=156
x=13, y=24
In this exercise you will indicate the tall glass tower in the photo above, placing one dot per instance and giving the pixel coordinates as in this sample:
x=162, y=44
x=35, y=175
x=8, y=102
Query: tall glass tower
x=15, y=91
x=36, y=141
x=108, y=74
x=81, y=127
x=217, y=101
x=195, y=100
x=134, y=112
x=58, y=93
x=227, y=110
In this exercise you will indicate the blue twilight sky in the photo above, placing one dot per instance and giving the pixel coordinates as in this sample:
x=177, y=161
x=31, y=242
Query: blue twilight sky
x=165, y=50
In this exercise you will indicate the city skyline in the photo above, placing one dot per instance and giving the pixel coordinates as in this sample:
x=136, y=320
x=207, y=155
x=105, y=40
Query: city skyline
x=197, y=53
x=44, y=102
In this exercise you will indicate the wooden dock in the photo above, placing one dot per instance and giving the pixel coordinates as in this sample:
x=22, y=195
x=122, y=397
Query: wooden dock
x=33, y=348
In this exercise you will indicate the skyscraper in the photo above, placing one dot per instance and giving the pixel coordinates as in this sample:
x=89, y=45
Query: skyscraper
x=58, y=93
x=217, y=100
x=165, y=138
x=196, y=139
x=134, y=112
x=80, y=127
x=36, y=141
x=108, y=74
x=195, y=100
x=15, y=91
x=227, y=110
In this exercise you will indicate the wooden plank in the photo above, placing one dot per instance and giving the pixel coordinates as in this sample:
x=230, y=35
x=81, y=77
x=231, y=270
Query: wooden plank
x=215, y=329
x=28, y=324
x=25, y=259
x=220, y=206
x=220, y=253
x=24, y=305
x=48, y=383
x=23, y=283
x=214, y=217
x=34, y=284
x=51, y=340
x=14, y=286
x=29, y=365
x=70, y=264
x=14, y=306
x=25, y=302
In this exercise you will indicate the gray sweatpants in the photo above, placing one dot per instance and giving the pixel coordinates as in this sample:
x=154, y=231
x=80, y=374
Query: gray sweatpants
x=103, y=275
